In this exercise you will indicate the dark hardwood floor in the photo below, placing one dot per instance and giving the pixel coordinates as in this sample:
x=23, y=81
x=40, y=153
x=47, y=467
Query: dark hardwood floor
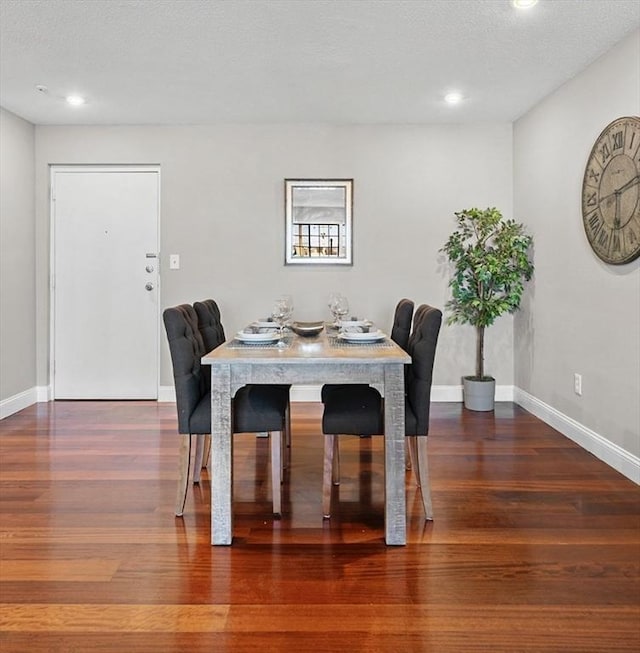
x=535, y=544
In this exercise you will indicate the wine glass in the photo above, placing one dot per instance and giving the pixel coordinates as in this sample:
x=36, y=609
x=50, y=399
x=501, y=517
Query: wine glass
x=288, y=302
x=339, y=308
x=281, y=312
x=332, y=303
x=342, y=308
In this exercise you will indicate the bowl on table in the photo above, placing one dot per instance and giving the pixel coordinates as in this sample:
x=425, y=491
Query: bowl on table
x=307, y=328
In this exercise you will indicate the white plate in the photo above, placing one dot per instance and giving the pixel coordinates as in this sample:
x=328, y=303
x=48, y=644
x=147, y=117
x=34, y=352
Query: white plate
x=356, y=336
x=264, y=324
x=355, y=323
x=267, y=336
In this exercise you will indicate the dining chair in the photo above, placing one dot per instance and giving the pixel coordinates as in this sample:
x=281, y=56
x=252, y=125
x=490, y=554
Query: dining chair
x=252, y=410
x=360, y=409
x=400, y=330
x=212, y=332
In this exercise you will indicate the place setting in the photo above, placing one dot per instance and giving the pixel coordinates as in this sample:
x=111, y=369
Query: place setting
x=350, y=331
x=279, y=329
x=269, y=331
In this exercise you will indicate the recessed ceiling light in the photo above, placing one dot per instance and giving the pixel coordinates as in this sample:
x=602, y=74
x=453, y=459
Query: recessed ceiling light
x=75, y=100
x=524, y=4
x=453, y=98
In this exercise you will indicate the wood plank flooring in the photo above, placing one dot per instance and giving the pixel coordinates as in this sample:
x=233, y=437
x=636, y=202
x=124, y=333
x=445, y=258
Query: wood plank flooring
x=535, y=544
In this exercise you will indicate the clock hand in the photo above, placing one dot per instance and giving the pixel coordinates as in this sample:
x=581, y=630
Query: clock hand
x=631, y=182
x=625, y=186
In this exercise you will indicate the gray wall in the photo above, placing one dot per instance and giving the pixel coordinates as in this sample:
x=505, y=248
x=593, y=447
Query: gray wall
x=581, y=315
x=17, y=258
x=223, y=212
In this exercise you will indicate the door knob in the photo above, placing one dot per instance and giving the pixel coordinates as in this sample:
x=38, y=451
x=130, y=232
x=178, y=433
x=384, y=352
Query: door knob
x=149, y=286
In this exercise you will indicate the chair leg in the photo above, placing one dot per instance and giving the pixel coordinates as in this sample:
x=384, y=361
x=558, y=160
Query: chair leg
x=197, y=463
x=330, y=442
x=286, y=445
x=407, y=455
x=183, y=472
x=276, y=471
x=206, y=460
x=423, y=475
x=412, y=447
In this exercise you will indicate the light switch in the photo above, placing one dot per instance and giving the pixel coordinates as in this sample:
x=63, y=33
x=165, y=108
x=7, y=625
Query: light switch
x=174, y=261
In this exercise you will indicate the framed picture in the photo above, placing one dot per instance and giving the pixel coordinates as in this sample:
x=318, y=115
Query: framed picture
x=318, y=221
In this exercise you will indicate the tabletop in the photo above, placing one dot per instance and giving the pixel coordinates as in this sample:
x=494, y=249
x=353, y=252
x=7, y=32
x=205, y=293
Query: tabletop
x=324, y=347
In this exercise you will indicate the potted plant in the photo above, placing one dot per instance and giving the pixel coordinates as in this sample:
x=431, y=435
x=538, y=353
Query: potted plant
x=490, y=257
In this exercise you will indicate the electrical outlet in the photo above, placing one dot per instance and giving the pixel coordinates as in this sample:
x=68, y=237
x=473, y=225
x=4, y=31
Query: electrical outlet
x=577, y=384
x=174, y=261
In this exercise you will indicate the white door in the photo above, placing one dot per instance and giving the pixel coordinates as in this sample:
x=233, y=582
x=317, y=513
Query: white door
x=105, y=262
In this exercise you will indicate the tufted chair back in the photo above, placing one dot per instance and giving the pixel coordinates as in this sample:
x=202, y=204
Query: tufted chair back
x=209, y=323
x=402, y=323
x=187, y=348
x=422, y=349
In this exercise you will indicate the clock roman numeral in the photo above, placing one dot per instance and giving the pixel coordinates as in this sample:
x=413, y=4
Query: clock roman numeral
x=604, y=151
x=595, y=223
x=603, y=238
x=615, y=242
x=618, y=140
x=591, y=200
x=630, y=240
x=594, y=176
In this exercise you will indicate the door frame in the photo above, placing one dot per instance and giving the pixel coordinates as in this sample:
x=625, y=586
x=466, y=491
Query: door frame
x=82, y=167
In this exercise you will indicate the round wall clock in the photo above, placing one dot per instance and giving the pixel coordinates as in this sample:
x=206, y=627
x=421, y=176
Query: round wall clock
x=611, y=192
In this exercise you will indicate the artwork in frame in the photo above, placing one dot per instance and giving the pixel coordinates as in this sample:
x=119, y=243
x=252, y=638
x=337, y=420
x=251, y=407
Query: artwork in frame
x=318, y=221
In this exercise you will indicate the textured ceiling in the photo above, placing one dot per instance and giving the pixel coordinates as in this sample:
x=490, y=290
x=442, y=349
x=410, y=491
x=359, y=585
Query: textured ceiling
x=258, y=61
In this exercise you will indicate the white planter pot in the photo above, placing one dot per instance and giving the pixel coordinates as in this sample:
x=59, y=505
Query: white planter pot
x=479, y=395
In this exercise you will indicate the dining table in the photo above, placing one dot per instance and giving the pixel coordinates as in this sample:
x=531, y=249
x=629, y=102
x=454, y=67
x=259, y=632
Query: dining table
x=303, y=360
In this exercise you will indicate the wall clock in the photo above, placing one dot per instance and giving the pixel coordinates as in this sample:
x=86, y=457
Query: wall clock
x=611, y=192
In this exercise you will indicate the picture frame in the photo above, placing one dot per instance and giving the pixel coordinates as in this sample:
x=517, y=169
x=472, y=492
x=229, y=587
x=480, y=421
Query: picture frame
x=318, y=221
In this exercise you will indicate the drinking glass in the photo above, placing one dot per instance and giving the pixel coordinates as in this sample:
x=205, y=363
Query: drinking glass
x=288, y=302
x=331, y=303
x=342, y=308
x=339, y=307
x=281, y=312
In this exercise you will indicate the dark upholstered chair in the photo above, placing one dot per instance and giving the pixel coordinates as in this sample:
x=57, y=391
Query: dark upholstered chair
x=400, y=331
x=252, y=411
x=359, y=409
x=212, y=332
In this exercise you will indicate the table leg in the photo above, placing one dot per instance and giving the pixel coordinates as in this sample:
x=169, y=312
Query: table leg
x=395, y=523
x=221, y=456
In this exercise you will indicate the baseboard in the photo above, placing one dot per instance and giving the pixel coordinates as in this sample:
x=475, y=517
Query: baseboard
x=18, y=402
x=622, y=461
x=453, y=393
x=166, y=393
x=44, y=393
x=305, y=393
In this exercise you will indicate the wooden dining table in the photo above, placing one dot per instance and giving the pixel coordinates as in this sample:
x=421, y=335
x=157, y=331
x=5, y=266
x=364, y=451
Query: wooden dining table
x=307, y=361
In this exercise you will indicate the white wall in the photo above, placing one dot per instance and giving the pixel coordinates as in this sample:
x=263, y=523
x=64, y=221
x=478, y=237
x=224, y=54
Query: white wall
x=581, y=315
x=223, y=212
x=17, y=265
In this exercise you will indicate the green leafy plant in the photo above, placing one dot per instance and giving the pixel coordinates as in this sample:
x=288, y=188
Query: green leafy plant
x=490, y=256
